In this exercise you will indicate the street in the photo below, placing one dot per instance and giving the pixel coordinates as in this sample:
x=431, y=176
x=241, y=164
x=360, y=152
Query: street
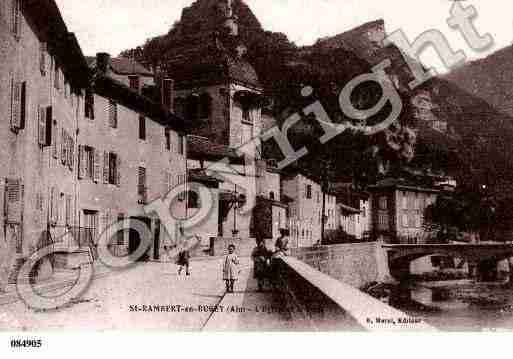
x=153, y=296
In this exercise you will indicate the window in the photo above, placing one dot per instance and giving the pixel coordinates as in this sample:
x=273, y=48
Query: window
x=383, y=203
x=142, y=128
x=113, y=114
x=89, y=104
x=110, y=169
x=141, y=185
x=134, y=81
x=167, y=134
x=271, y=195
x=67, y=149
x=18, y=105
x=309, y=191
x=405, y=219
x=57, y=77
x=246, y=115
x=382, y=222
x=68, y=211
x=16, y=18
x=91, y=222
x=13, y=198
x=45, y=126
x=318, y=197
x=54, y=206
x=181, y=145
x=89, y=163
x=42, y=58
x=120, y=235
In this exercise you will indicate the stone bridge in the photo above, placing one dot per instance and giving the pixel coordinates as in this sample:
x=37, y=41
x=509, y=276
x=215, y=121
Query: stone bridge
x=482, y=257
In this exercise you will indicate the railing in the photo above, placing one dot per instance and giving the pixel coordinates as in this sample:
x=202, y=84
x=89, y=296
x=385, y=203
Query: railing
x=80, y=237
x=325, y=303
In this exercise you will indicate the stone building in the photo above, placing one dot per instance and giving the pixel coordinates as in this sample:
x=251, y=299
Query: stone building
x=42, y=77
x=131, y=151
x=305, y=209
x=397, y=209
x=80, y=150
x=219, y=92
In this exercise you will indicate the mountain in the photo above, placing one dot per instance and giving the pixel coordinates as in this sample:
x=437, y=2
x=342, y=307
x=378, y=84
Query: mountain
x=458, y=130
x=489, y=79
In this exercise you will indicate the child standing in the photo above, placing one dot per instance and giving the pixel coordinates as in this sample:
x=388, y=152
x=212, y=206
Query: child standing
x=230, y=268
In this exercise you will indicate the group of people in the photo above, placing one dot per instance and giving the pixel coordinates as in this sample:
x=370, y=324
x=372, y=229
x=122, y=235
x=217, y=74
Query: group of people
x=265, y=267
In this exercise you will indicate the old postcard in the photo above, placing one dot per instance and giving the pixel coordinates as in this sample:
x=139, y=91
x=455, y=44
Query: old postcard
x=255, y=166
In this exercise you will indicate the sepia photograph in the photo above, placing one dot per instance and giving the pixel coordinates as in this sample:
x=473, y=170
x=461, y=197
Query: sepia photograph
x=255, y=166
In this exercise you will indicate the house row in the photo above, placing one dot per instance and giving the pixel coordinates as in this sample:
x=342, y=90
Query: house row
x=82, y=145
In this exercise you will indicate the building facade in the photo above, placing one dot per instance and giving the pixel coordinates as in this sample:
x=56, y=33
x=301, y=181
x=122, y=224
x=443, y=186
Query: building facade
x=398, y=210
x=305, y=209
x=131, y=151
x=81, y=149
x=42, y=77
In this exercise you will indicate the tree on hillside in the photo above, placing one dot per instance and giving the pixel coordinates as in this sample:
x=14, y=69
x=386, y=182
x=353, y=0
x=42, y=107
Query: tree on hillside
x=467, y=211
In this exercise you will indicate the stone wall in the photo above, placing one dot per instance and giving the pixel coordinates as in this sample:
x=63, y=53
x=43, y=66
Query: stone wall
x=354, y=264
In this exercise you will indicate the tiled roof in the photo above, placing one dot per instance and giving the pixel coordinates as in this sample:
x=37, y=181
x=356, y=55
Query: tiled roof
x=108, y=87
x=401, y=184
x=209, y=61
x=126, y=66
x=242, y=71
x=123, y=66
x=202, y=148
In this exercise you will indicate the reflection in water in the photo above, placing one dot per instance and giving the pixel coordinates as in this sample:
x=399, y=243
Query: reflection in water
x=457, y=305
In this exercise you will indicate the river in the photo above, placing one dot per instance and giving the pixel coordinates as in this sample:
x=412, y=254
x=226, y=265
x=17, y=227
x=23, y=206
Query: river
x=462, y=305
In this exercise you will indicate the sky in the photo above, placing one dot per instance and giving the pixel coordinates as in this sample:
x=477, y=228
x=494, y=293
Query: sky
x=116, y=25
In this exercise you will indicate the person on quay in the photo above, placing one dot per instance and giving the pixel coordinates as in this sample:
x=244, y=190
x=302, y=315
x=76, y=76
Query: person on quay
x=281, y=249
x=231, y=269
x=183, y=257
x=261, y=263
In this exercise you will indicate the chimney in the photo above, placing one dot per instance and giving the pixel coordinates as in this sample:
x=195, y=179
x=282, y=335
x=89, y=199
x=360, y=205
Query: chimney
x=103, y=62
x=168, y=93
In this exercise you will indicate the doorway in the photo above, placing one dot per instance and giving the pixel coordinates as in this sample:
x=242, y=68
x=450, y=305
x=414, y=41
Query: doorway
x=134, y=240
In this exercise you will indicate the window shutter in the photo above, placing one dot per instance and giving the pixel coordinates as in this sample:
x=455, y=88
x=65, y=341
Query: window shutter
x=16, y=18
x=96, y=165
x=16, y=106
x=53, y=206
x=41, y=120
x=42, y=58
x=13, y=195
x=118, y=170
x=64, y=144
x=48, y=126
x=71, y=153
x=54, y=134
x=68, y=210
x=113, y=114
x=82, y=160
x=23, y=105
x=141, y=188
x=105, y=167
